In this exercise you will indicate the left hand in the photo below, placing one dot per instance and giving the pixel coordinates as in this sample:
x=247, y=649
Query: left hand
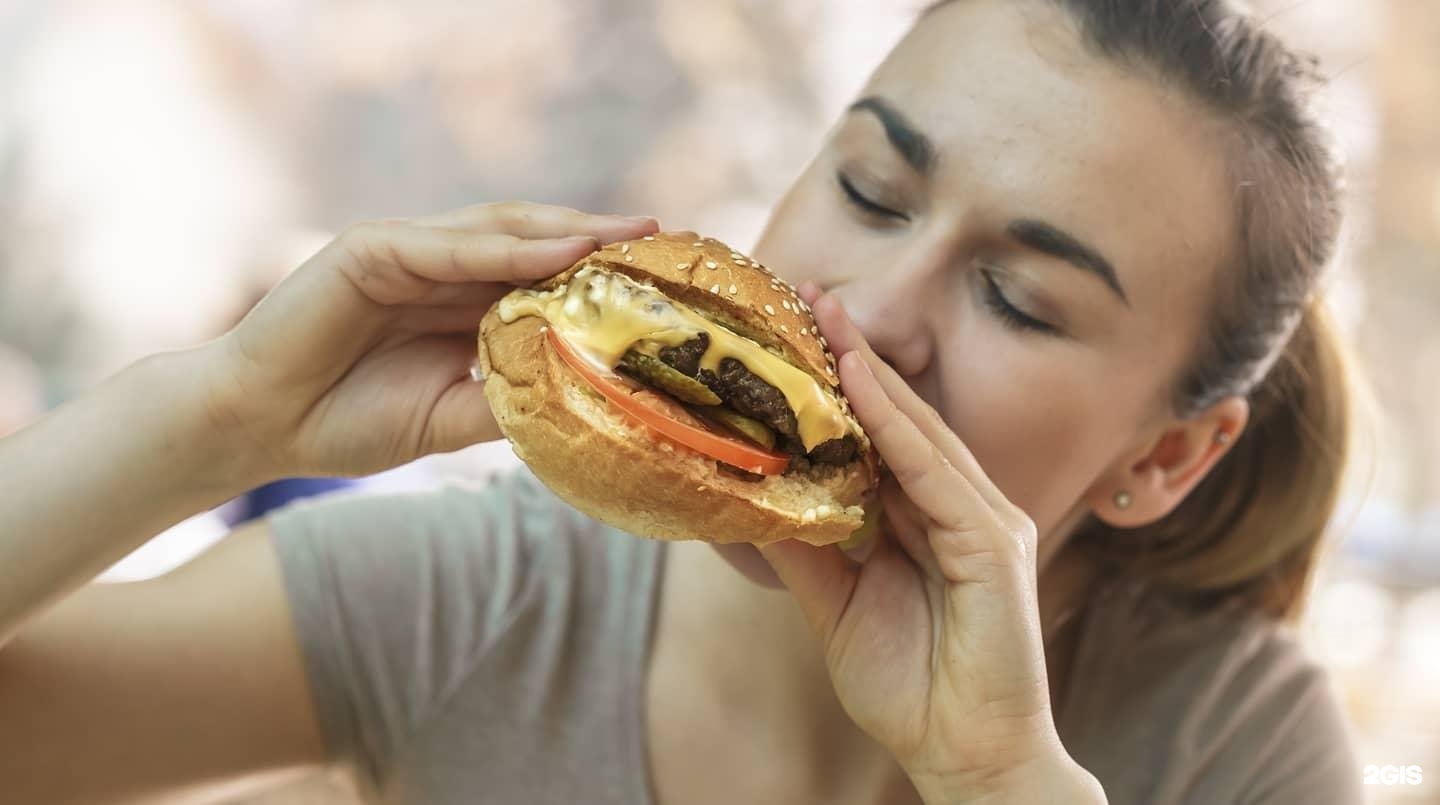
x=933, y=643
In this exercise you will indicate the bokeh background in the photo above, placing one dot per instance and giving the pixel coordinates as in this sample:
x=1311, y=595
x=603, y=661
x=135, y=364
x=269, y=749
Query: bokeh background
x=163, y=162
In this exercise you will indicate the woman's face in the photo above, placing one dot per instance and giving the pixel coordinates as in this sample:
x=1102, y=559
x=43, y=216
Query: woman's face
x=1026, y=232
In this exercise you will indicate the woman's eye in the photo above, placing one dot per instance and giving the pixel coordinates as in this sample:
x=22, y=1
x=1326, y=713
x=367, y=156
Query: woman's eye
x=864, y=203
x=1010, y=315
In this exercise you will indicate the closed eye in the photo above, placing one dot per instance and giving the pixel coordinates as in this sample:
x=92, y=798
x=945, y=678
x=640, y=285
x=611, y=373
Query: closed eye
x=1008, y=313
x=864, y=203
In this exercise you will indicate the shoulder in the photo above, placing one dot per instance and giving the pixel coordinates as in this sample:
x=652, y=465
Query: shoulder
x=1177, y=704
x=424, y=617
x=509, y=523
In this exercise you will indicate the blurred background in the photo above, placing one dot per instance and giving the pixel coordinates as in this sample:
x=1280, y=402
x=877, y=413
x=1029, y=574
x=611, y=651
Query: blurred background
x=164, y=162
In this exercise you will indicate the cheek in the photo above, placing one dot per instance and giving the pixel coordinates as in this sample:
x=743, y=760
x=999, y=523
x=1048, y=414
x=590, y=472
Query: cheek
x=808, y=237
x=1040, y=425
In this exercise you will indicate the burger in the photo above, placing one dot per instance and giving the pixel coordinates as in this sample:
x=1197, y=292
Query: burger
x=677, y=389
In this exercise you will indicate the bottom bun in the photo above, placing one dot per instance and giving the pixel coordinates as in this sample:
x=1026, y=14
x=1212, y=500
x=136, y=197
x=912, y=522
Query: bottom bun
x=615, y=470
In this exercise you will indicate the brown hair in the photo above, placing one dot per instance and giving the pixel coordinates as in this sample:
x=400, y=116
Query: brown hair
x=1251, y=531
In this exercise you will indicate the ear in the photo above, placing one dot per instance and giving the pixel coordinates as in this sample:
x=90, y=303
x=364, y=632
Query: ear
x=1156, y=477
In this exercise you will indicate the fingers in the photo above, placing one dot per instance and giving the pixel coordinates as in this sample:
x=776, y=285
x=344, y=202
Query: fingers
x=968, y=535
x=844, y=337
x=907, y=526
x=541, y=221
x=918, y=464
x=461, y=416
x=821, y=580
x=396, y=262
x=439, y=319
x=809, y=292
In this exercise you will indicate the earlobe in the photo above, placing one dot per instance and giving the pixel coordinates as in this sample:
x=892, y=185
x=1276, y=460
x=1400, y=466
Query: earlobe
x=1150, y=484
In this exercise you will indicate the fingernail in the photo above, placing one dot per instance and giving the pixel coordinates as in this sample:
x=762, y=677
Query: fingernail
x=639, y=219
x=855, y=357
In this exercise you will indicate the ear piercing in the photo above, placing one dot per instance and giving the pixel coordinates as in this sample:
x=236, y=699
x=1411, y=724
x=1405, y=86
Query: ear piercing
x=1124, y=499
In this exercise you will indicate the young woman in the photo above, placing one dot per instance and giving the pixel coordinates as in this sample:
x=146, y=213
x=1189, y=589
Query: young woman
x=1068, y=253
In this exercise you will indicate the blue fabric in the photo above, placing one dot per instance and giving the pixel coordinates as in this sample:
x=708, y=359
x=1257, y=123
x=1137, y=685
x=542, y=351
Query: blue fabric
x=276, y=494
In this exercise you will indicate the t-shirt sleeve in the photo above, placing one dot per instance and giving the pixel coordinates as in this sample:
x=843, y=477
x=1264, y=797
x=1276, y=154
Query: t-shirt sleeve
x=396, y=597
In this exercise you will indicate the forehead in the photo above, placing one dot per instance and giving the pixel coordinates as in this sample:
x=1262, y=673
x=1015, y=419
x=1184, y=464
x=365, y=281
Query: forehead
x=1027, y=122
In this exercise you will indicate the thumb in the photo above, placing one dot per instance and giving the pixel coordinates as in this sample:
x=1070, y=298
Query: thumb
x=821, y=579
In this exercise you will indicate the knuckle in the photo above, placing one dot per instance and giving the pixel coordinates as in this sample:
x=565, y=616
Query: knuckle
x=1022, y=537
x=514, y=214
x=365, y=241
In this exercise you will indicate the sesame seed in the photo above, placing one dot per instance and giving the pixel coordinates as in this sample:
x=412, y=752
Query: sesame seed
x=808, y=516
x=784, y=329
x=629, y=258
x=711, y=264
x=784, y=304
x=733, y=289
x=699, y=243
x=715, y=288
x=649, y=237
x=682, y=266
x=736, y=256
x=824, y=343
x=625, y=249
x=770, y=310
x=804, y=330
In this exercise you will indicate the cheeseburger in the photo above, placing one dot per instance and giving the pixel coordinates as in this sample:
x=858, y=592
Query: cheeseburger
x=677, y=389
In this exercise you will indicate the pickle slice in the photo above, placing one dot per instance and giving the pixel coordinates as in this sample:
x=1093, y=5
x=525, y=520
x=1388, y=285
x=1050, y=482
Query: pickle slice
x=666, y=378
x=752, y=430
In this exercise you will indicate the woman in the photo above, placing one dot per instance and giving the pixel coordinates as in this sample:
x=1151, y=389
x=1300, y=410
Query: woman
x=1067, y=252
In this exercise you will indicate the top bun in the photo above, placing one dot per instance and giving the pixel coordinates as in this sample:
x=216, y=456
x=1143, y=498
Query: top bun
x=729, y=287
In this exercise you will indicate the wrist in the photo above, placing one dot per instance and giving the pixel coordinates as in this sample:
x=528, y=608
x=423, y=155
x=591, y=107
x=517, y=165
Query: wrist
x=199, y=437
x=1055, y=777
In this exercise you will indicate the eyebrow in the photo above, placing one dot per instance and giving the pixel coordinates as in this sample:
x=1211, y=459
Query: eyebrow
x=915, y=148
x=1045, y=238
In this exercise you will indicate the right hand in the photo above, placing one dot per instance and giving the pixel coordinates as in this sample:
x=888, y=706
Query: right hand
x=359, y=360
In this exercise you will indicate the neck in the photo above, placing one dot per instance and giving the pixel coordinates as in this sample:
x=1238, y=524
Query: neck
x=762, y=658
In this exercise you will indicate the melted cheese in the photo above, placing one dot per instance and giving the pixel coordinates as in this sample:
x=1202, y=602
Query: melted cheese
x=603, y=315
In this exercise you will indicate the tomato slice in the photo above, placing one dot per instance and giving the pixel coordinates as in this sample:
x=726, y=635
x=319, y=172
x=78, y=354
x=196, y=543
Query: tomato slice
x=722, y=448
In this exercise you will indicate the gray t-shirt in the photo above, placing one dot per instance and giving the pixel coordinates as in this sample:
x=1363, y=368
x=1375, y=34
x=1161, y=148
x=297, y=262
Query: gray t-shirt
x=489, y=646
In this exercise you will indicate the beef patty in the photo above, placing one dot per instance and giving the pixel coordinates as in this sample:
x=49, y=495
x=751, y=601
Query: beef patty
x=747, y=394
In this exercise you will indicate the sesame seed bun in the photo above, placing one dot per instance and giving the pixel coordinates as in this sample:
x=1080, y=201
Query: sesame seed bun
x=612, y=468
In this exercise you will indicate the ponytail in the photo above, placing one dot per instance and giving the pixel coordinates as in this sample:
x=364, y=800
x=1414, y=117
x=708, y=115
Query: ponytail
x=1253, y=529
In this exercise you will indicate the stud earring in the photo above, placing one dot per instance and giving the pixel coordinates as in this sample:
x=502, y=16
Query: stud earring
x=1222, y=437
x=1123, y=499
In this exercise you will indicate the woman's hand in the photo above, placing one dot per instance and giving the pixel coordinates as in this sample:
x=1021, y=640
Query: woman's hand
x=933, y=643
x=360, y=360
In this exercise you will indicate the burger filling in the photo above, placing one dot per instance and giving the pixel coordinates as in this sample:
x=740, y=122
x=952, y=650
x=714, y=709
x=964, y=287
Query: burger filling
x=727, y=380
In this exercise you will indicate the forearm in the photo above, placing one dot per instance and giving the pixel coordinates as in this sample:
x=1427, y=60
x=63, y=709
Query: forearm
x=100, y=475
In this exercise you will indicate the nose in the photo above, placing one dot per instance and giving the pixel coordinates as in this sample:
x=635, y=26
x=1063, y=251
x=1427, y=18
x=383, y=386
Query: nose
x=889, y=308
